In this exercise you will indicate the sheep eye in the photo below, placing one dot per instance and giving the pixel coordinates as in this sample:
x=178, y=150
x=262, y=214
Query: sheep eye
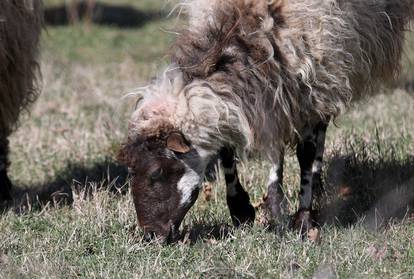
x=157, y=175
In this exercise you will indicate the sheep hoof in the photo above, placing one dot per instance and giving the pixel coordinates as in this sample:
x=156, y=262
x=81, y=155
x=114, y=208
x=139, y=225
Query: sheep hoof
x=273, y=208
x=244, y=215
x=303, y=222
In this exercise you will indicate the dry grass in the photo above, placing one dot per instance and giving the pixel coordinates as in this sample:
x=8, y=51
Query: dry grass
x=66, y=147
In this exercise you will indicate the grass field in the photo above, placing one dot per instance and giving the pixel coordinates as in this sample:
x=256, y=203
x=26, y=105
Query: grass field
x=63, y=157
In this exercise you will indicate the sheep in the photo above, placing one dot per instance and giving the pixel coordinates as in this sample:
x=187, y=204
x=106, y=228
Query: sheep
x=255, y=75
x=20, y=26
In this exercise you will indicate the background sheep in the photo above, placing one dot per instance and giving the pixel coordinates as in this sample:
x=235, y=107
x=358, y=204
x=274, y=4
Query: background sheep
x=20, y=25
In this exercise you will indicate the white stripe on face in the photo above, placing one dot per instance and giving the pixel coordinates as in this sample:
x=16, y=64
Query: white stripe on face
x=190, y=181
x=194, y=174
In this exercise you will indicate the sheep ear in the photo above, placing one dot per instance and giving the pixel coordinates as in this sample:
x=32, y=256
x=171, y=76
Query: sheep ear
x=177, y=143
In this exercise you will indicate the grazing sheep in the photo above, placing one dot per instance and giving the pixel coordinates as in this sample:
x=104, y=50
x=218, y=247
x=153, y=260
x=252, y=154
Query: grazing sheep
x=255, y=75
x=123, y=16
x=20, y=26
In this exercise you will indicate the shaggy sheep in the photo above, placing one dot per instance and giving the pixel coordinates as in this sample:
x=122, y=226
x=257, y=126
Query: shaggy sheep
x=20, y=26
x=255, y=75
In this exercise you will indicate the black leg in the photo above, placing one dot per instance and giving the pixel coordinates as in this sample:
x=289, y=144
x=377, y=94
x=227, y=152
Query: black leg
x=241, y=211
x=310, y=155
x=5, y=184
x=317, y=184
x=275, y=198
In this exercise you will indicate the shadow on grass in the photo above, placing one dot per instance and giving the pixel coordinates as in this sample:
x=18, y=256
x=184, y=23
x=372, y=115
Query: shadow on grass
x=371, y=191
x=359, y=188
x=74, y=177
x=122, y=16
x=206, y=232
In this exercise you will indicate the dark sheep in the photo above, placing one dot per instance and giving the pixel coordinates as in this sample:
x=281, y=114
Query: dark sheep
x=20, y=27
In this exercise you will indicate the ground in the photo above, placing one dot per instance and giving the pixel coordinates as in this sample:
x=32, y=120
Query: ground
x=64, y=153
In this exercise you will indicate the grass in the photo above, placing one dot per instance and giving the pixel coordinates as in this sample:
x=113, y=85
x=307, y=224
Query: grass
x=64, y=153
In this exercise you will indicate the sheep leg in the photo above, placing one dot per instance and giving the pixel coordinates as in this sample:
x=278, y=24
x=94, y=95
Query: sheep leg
x=310, y=155
x=317, y=185
x=72, y=11
x=241, y=211
x=275, y=197
x=5, y=184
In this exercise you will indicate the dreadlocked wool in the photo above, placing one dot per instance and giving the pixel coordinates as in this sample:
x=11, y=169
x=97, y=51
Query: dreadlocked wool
x=20, y=26
x=253, y=73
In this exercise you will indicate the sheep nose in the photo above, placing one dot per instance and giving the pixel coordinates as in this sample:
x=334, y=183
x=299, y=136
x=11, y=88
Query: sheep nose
x=149, y=236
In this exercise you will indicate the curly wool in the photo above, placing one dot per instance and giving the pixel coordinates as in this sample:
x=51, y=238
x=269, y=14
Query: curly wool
x=20, y=26
x=253, y=73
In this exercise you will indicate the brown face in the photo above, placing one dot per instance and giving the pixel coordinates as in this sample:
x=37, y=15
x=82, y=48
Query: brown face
x=166, y=178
